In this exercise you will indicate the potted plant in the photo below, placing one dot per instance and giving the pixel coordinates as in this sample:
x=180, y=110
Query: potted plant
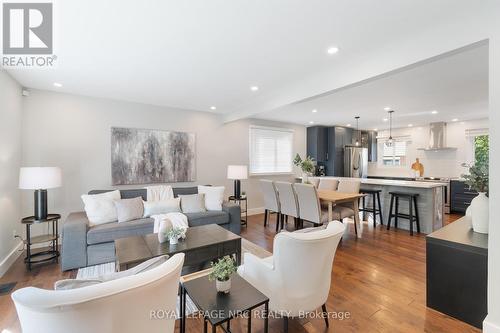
x=221, y=273
x=477, y=180
x=306, y=165
x=174, y=234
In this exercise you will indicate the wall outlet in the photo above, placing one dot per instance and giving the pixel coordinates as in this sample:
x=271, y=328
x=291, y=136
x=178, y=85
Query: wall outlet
x=14, y=233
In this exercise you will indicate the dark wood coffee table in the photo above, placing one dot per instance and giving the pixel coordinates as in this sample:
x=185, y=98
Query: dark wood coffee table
x=202, y=244
x=219, y=308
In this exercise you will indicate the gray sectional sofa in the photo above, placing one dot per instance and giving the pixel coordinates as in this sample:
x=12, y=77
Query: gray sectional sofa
x=83, y=245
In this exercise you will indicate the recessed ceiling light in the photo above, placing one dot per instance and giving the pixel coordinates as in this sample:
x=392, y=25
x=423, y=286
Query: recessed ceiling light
x=434, y=112
x=348, y=125
x=254, y=88
x=454, y=119
x=311, y=122
x=387, y=108
x=213, y=108
x=332, y=50
x=314, y=111
x=410, y=125
x=385, y=119
x=375, y=129
x=57, y=84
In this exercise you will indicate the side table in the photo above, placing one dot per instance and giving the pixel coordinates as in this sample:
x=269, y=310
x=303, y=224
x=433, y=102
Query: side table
x=52, y=237
x=244, y=209
x=219, y=308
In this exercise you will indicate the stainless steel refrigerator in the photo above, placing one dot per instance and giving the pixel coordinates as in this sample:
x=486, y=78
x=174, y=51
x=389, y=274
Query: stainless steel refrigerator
x=355, y=162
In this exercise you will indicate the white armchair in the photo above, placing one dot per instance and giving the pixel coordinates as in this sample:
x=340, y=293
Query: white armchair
x=123, y=305
x=297, y=277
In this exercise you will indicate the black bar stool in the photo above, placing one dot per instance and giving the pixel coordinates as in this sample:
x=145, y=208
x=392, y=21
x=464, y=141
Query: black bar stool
x=376, y=207
x=412, y=201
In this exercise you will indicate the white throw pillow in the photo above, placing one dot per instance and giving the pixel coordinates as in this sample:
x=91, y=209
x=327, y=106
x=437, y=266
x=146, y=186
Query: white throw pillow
x=100, y=208
x=162, y=207
x=214, y=196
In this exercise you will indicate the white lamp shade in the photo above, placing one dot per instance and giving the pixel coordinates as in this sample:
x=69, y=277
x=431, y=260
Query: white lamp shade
x=237, y=172
x=38, y=178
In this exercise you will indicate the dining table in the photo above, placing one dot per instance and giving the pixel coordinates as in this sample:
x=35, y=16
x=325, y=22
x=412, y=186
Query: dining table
x=333, y=198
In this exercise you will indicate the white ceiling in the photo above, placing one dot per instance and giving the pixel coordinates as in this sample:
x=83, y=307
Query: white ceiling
x=193, y=54
x=455, y=85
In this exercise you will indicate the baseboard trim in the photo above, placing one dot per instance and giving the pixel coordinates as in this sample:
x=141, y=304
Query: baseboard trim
x=255, y=211
x=489, y=327
x=10, y=259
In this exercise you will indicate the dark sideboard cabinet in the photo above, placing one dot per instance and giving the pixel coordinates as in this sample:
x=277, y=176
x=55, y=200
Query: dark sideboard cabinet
x=461, y=196
x=457, y=272
x=326, y=146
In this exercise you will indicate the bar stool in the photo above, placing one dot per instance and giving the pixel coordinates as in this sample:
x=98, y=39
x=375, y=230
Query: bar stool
x=412, y=201
x=376, y=207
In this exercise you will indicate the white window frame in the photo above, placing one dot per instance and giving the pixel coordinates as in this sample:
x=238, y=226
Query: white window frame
x=471, y=135
x=394, y=157
x=250, y=150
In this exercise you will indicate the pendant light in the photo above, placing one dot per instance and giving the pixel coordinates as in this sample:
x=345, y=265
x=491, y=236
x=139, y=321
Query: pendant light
x=391, y=140
x=357, y=131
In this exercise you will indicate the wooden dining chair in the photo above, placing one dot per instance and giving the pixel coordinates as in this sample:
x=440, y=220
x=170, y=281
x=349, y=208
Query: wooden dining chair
x=288, y=203
x=271, y=201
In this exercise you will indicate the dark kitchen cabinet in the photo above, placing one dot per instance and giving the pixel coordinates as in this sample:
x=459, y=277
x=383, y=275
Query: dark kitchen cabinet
x=461, y=196
x=326, y=146
x=317, y=143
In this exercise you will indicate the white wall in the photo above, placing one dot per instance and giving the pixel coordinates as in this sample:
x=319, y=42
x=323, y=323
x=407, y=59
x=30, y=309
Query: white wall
x=10, y=160
x=492, y=321
x=444, y=163
x=73, y=132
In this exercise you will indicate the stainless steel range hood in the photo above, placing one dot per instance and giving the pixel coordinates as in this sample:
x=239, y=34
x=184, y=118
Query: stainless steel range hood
x=437, y=137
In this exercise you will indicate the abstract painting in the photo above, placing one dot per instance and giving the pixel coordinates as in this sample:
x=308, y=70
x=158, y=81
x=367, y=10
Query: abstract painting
x=143, y=156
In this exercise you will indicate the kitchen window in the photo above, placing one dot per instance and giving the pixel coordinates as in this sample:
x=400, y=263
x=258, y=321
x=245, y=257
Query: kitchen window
x=395, y=154
x=270, y=150
x=479, y=145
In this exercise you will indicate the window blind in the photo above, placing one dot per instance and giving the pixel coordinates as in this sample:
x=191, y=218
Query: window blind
x=398, y=148
x=270, y=150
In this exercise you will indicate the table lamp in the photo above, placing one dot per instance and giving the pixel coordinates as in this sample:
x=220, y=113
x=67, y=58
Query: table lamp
x=237, y=172
x=40, y=179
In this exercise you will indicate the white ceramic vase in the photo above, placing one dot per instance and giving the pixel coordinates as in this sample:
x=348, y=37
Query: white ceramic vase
x=305, y=178
x=173, y=240
x=223, y=286
x=163, y=230
x=479, y=209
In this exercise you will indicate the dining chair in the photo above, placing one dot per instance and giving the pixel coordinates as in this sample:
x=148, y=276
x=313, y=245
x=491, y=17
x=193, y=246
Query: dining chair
x=271, y=200
x=344, y=210
x=314, y=181
x=309, y=205
x=288, y=203
x=328, y=184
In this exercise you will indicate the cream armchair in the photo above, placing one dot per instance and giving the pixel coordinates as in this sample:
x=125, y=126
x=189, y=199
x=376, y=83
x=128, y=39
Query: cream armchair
x=297, y=277
x=144, y=302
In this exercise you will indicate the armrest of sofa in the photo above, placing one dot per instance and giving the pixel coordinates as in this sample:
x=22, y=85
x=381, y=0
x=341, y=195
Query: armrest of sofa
x=234, y=211
x=74, y=241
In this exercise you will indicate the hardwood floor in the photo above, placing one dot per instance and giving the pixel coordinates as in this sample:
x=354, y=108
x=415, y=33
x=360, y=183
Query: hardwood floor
x=378, y=279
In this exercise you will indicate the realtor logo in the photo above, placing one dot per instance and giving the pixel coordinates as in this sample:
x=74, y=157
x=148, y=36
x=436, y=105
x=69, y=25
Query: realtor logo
x=27, y=28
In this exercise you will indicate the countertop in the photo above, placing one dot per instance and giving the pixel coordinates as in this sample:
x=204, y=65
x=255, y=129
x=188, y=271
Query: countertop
x=389, y=182
x=460, y=233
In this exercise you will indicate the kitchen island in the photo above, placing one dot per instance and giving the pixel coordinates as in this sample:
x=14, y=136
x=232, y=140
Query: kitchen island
x=430, y=200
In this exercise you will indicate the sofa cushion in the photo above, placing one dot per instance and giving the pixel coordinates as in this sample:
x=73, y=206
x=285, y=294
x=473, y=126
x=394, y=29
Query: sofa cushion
x=208, y=217
x=110, y=231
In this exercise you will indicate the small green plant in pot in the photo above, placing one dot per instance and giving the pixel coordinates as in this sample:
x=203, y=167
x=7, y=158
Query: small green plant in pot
x=306, y=165
x=174, y=234
x=478, y=180
x=221, y=273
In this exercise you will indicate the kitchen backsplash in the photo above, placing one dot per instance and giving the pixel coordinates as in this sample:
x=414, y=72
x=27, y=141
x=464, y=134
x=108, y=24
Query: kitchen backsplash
x=443, y=163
